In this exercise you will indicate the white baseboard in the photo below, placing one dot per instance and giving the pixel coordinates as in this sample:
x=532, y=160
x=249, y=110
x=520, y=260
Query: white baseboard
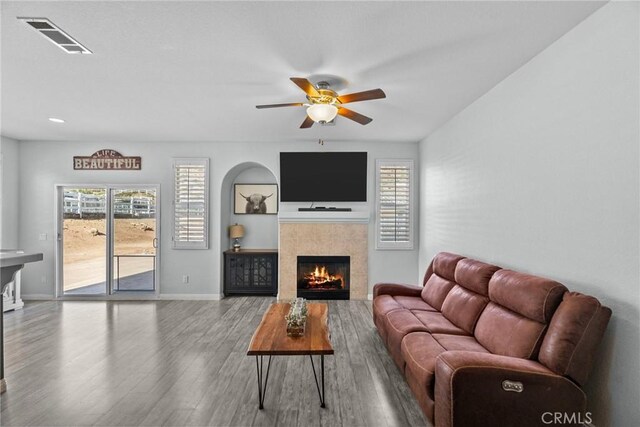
x=36, y=297
x=191, y=297
x=186, y=297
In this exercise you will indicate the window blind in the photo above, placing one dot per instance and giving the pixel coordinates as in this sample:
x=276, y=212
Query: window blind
x=191, y=204
x=394, y=207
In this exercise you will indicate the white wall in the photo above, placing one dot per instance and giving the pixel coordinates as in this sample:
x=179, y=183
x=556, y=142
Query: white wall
x=541, y=174
x=8, y=193
x=44, y=164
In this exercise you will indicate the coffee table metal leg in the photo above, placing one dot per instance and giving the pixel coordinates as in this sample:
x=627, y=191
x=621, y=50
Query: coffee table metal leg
x=320, y=393
x=262, y=388
x=322, y=369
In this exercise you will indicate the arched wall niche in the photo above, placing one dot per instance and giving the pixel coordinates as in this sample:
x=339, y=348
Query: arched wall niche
x=261, y=231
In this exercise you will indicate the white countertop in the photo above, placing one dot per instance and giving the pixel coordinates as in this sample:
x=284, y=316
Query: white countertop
x=11, y=257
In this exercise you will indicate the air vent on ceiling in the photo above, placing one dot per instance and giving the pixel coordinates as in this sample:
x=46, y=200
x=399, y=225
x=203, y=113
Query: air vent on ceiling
x=55, y=35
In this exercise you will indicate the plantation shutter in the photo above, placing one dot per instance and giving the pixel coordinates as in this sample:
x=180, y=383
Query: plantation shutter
x=191, y=204
x=394, y=204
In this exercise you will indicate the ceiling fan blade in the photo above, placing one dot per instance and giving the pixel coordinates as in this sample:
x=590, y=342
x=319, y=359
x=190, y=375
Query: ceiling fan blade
x=362, y=96
x=356, y=117
x=292, y=104
x=305, y=85
x=308, y=122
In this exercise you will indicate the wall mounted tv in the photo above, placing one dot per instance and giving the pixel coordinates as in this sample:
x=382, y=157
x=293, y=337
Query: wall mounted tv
x=323, y=177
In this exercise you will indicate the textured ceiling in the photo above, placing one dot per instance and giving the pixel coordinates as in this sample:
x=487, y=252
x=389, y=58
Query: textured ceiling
x=193, y=71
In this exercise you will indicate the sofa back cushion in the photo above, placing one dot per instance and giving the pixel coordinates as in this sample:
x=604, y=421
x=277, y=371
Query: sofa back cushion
x=514, y=321
x=469, y=296
x=440, y=278
x=462, y=307
x=436, y=290
x=574, y=335
x=531, y=296
x=444, y=265
x=475, y=275
x=506, y=333
x=428, y=274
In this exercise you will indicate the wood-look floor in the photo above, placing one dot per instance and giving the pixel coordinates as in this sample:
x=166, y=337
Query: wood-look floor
x=185, y=363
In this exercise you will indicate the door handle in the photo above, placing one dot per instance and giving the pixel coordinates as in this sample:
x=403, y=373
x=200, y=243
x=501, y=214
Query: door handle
x=155, y=243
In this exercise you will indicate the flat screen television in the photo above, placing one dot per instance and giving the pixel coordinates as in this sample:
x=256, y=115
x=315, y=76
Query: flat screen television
x=323, y=177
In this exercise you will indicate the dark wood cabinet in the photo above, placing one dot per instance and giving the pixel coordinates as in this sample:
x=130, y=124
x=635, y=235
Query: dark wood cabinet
x=251, y=272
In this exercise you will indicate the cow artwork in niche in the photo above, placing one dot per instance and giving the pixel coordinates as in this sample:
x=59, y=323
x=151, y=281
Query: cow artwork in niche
x=256, y=199
x=256, y=203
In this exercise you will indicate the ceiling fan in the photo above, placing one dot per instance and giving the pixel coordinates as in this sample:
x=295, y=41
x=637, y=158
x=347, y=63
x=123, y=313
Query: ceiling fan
x=325, y=104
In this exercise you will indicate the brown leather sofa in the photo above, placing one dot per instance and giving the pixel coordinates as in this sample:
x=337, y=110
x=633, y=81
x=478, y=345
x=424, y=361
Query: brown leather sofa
x=485, y=346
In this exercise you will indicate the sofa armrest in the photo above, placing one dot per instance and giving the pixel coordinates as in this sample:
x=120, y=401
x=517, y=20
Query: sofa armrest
x=481, y=389
x=396, y=289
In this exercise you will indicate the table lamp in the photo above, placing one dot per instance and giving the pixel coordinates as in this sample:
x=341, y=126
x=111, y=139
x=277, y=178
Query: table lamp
x=236, y=232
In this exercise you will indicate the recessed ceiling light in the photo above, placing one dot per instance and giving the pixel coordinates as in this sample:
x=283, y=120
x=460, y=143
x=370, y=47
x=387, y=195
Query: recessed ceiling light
x=54, y=120
x=55, y=35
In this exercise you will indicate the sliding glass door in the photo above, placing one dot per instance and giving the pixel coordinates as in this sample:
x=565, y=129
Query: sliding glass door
x=108, y=240
x=134, y=239
x=84, y=241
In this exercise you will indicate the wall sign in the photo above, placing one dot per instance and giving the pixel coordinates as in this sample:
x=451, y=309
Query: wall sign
x=107, y=160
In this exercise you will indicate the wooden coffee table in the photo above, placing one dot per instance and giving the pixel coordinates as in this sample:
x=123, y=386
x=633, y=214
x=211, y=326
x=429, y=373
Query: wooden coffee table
x=271, y=339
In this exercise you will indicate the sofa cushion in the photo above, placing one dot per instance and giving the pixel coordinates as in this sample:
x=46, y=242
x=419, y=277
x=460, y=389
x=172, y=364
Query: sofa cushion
x=534, y=297
x=459, y=342
x=398, y=324
x=419, y=351
x=474, y=275
x=444, y=265
x=403, y=321
x=574, y=333
x=436, y=323
x=436, y=290
x=506, y=333
x=463, y=307
x=384, y=304
x=413, y=303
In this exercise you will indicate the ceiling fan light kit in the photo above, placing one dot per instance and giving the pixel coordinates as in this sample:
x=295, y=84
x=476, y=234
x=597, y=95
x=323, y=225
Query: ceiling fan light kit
x=325, y=104
x=322, y=113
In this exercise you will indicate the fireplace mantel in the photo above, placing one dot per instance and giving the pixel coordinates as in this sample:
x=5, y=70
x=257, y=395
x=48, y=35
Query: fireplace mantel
x=357, y=217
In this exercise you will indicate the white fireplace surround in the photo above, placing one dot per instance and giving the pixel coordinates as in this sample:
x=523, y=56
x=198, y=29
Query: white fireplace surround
x=322, y=217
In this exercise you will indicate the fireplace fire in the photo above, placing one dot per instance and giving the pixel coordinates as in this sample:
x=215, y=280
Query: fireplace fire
x=320, y=278
x=323, y=277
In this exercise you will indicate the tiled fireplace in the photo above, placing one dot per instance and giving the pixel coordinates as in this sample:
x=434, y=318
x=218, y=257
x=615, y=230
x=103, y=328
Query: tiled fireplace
x=325, y=237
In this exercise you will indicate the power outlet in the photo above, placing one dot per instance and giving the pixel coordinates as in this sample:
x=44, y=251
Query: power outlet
x=185, y=279
x=42, y=236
